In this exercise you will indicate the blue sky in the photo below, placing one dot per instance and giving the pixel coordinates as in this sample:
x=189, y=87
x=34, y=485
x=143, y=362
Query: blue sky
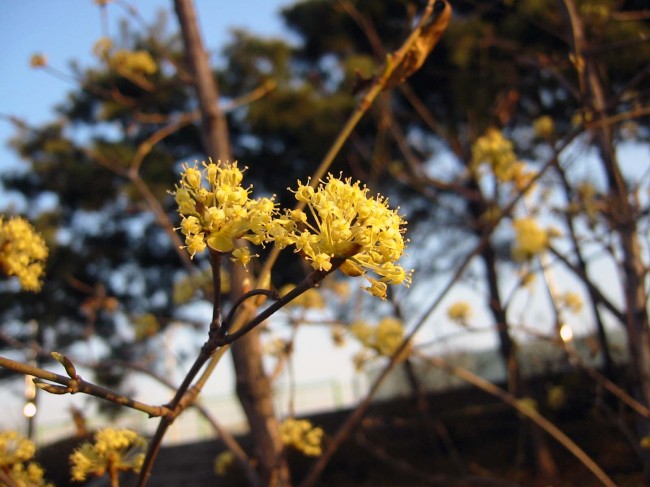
x=64, y=30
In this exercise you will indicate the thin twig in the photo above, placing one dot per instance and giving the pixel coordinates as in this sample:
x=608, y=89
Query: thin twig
x=74, y=385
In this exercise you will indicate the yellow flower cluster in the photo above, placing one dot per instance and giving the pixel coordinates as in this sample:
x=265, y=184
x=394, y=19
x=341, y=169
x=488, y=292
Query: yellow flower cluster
x=135, y=62
x=571, y=301
x=343, y=222
x=556, y=398
x=145, y=326
x=123, y=60
x=385, y=338
x=22, y=252
x=186, y=287
x=303, y=436
x=114, y=450
x=528, y=403
x=543, y=127
x=224, y=462
x=645, y=442
x=309, y=299
x=530, y=239
x=14, y=448
x=459, y=312
x=15, y=451
x=38, y=60
x=218, y=214
x=497, y=152
x=102, y=47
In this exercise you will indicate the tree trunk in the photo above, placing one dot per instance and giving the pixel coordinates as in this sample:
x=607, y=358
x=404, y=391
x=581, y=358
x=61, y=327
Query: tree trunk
x=530, y=433
x=253, y=386
x=506, y=344
x=621, y=213
x=255, y=395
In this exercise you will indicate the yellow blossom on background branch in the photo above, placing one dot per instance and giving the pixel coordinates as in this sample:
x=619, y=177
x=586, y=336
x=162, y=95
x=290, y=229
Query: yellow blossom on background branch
x=223, y=463
x=302, y=435
x=14, y=448
x=135, y=62
x=385, y=338
x=15, y=452
x=497, y=152
x=570, y=301
x=38, y=60
x=22, y=252
x=114, y=450
x=544, y=127
x=530, y=238
x=311, y=298
x=460, y=312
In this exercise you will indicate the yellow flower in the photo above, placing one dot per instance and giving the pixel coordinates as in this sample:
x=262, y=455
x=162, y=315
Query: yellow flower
x=135, y=62
x=530, y=239
x=186, y=287
x=223, y=462
x=527, y=404
x=102, y=47
x=543, y=127
x=460, y=312
x=302, y=435
x=309, y=299
x=497, y=152
x=145, y=326
x=571, y=301
x=216, y=210
x=339, y=287
x=29, y=475
x=22, y=252
x=38, y=60
x=385, y=338
x=14, y=449
x=363, y=332
x=113, y=450
x=341, y=221
x=242, y=256
x=556, y=398
x=389, y=336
